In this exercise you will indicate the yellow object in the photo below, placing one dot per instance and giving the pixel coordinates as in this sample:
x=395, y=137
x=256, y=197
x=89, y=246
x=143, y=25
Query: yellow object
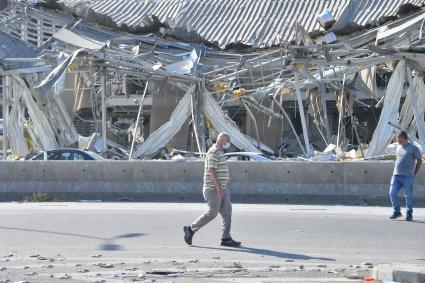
x=73, y=68
x=208, y=123
x=298, y=67
x=15, y=157
x=220, y=88
x=27, y=136
x=239, y=92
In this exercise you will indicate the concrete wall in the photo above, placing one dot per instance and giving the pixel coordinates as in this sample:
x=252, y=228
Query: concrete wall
x=304, y=182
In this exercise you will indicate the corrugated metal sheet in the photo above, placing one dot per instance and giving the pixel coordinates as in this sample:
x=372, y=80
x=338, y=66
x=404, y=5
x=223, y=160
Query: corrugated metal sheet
x=14, y=48
x=3, y=4
x=250, y=22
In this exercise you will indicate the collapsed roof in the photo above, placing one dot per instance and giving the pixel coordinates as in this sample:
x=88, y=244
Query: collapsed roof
x=224, y=23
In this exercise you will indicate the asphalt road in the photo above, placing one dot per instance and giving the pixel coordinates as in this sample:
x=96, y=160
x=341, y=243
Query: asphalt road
x=120, y=242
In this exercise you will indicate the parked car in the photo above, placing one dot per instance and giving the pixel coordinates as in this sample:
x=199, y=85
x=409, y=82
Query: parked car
x=247, y=156
x=66, y=154
x=176, y=154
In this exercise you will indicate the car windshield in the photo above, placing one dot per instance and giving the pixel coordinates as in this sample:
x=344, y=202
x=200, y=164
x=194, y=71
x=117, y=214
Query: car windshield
x=38, y=156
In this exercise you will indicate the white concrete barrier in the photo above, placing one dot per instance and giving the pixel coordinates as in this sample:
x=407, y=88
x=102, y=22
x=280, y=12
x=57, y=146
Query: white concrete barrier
x=307, y=182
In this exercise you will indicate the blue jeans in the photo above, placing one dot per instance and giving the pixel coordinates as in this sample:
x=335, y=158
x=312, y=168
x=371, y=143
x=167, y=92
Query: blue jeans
x=406, y=182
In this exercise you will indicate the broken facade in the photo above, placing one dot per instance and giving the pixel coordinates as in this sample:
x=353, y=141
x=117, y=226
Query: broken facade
x=146, y=94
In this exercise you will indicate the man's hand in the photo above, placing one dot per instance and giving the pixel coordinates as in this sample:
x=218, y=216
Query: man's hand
x=418, y=165
x=220, y=191
x=214, y=177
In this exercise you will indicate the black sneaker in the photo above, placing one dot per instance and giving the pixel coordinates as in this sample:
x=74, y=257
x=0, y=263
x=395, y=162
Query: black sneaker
x=409, y=217
x=188, y=235
x=230, y=243
x=395, y=215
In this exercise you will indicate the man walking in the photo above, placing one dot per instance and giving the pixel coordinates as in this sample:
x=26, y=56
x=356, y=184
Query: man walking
x=404, y=174
x=216, y=177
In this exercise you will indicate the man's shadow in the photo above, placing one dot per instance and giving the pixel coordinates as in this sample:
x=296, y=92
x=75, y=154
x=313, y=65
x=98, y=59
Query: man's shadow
x=107, y=245
x=266, y=252
x=413, y=221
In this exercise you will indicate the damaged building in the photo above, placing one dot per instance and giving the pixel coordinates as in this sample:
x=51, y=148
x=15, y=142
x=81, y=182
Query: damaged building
x=318, y=80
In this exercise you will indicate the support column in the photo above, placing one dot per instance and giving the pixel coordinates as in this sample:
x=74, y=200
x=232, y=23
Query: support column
x=420, y=125
x=138, y=120
x=246, y=106
x=302, y=116
x=104, y=129
x=5, y=105
x=198, y=119
x=341, y=129
x=324, y=107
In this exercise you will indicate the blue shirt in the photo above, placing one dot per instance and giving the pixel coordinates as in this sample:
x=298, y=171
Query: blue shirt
x=405, y=161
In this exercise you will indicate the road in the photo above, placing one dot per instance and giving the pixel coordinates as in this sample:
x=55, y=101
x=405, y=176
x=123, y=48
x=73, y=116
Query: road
x=123, y=242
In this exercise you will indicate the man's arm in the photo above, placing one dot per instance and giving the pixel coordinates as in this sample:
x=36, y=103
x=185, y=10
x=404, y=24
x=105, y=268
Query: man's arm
x=418, y=165
x=212, y=163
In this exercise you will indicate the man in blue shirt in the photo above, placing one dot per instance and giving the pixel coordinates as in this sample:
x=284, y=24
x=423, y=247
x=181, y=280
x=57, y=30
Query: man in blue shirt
x=407, y=164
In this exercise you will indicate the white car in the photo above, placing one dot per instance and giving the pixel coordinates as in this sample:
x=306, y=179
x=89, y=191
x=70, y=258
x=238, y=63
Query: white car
x=247, y=156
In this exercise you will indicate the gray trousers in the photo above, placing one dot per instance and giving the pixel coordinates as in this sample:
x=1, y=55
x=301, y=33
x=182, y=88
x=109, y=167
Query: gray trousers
x=216, y=205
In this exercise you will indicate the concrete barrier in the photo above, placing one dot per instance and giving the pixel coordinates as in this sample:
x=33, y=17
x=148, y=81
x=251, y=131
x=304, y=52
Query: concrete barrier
x=406, y=273
x=289, y=181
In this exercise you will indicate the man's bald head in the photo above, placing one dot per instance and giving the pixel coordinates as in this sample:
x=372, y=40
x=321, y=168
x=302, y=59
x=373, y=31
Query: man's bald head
x=223, y=138
x=223, y=135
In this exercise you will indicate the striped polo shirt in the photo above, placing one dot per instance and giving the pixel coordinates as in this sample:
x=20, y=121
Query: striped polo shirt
x=215, y=159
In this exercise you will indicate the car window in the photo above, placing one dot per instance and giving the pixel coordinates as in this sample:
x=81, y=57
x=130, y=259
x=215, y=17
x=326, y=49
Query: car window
x=69, y=155
x=232, y=158
x=79, y=156
x=53, y=156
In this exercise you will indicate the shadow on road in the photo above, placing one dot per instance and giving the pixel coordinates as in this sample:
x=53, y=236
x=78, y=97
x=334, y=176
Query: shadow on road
x=266, y=252
x=52, y=232
x=108, y=244
x=413, y=221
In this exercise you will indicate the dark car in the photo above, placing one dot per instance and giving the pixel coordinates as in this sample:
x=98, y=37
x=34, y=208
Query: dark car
x=66, y=154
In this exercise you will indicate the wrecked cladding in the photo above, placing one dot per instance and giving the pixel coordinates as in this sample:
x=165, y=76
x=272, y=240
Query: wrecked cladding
x=259, y=24
x=316, y=80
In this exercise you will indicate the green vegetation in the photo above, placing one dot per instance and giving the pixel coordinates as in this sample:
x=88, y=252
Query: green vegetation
x=39, y=197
